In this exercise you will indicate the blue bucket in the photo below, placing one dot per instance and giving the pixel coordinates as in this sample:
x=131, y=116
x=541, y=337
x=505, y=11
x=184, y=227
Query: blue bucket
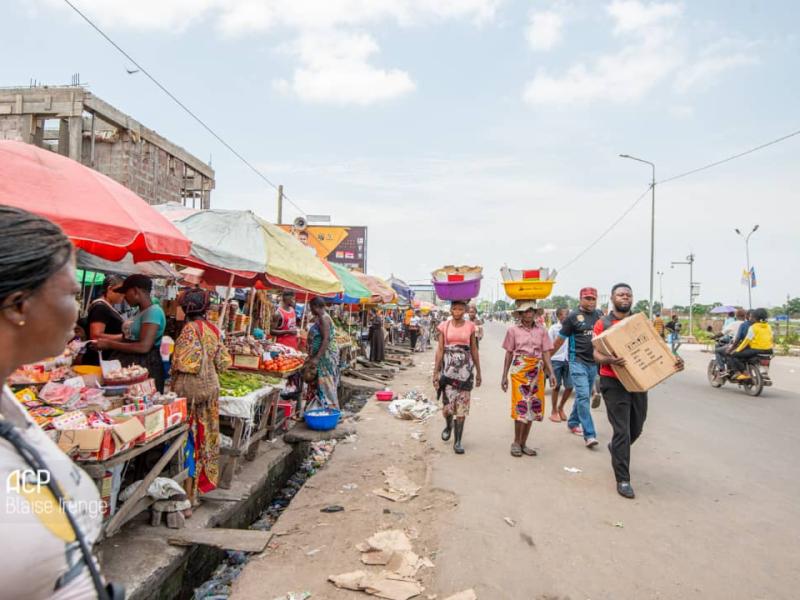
x=322, y=419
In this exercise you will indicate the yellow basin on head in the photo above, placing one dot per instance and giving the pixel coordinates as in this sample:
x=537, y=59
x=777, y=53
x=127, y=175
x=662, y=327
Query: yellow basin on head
x=528, y=290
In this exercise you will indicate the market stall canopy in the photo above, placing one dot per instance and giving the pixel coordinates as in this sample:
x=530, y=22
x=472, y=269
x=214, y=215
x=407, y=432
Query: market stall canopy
x=98, y=214
x=382, y=292
x=247, y=246
x=403, y=290
x=126, y=266
x=354, y=290
x=720, y=310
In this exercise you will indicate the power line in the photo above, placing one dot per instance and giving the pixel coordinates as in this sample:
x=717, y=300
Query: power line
x=181, y=104
x=607, y=231
x=730, y=158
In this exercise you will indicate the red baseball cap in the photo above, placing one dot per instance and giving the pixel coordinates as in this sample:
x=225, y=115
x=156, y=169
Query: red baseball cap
x=589, y=292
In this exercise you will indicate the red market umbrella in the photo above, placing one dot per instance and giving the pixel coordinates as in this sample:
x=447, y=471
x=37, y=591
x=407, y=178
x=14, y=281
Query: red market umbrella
x=99, y=215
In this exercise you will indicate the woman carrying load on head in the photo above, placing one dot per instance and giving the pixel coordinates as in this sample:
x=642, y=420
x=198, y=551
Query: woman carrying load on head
x=457, y=369
x=528, y=347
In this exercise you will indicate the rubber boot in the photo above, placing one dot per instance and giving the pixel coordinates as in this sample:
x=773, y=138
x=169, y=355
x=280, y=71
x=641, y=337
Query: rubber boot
x=448, y=430
x=457, y=447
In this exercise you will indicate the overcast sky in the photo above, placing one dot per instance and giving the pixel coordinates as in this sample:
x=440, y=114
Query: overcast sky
x=473, y=131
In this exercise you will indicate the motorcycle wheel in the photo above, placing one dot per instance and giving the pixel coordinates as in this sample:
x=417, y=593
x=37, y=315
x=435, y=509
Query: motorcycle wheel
x=756, y=384
x=713, y=375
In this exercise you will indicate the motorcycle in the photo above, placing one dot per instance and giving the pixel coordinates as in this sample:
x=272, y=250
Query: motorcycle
x=756, y=369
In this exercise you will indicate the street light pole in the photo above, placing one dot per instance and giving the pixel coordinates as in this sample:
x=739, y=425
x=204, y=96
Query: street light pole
x=749, y=275
x=661, y=289
x=689, y=261
x=652, y=225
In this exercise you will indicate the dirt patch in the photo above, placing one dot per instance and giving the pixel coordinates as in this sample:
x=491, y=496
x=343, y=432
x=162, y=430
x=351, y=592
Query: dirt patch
x=311, y=545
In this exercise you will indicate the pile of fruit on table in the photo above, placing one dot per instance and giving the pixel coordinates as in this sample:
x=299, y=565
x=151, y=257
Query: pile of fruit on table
x=240, y=383
x=283, y=363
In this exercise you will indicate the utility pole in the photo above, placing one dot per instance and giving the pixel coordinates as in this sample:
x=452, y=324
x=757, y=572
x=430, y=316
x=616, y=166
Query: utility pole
x=692, y=293
x=749, y=273
x=280, y=205
x=652, y=225
x=661, y=289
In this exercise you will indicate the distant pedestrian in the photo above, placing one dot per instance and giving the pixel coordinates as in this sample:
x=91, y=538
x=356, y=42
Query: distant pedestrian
x=560, y=361
x=626, y=410
x=528, y=348
x=658, y=325
x=472, y=311
x=413, y=331
x=674, y=329
x=576, y=330
x=457, y=370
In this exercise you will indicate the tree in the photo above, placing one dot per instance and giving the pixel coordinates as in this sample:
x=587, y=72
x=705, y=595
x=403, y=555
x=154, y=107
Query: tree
x=642, y=306
x=501, y=305
x=559, y=301
x=484, y=306
x=793, y=306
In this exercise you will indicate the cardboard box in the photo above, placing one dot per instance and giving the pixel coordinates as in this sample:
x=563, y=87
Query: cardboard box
x=175, y=413
x=648, y=359
x=152, y=421
x=100, y=444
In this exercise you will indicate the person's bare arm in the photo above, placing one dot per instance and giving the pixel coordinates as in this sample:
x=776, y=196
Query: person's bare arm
x=601, y=358
x=549, y=366
x=506, y=366
x=97, y=331
x=147, y=339
x=473, y=346
x=558, y=343
x=437, y=369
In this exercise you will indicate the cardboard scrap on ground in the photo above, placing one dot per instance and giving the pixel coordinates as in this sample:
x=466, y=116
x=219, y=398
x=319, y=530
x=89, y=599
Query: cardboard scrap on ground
x=384, y=585
x=465, y=595
x=397, y=487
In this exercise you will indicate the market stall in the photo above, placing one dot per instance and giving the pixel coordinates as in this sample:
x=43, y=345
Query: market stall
x=114, y=424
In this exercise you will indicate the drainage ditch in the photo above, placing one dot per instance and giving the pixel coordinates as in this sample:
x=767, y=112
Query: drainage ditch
x=210, y=572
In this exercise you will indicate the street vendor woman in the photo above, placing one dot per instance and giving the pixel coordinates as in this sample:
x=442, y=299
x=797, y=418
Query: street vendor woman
x=146, y=330
x=46, y=550
x=104, y=320
x=322, y=367
x=528, y=347
x=457, y=366
x=199, y=356
x=284, y=321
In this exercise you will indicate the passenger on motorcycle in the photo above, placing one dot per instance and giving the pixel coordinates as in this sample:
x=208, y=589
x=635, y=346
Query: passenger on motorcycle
x=757, y=340
x=729, y=334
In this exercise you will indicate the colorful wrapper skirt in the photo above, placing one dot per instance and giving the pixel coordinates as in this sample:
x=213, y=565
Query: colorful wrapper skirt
x=527, y=388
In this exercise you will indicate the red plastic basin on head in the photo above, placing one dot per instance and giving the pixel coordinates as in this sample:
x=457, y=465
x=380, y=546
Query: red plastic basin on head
x=384, y=396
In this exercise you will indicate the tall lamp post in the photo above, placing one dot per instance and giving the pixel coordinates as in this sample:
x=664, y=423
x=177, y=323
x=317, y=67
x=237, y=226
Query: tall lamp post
x=689, y=261
x=661, y=289
x=749, y=274
x=652, y=225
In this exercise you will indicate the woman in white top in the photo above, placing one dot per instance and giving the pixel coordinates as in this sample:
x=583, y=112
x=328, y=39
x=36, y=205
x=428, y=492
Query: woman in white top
x=45, y=551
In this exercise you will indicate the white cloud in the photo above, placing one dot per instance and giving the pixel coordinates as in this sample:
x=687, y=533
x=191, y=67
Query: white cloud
x=681, y=111
x=621, y=77
x=655, y=53
x=631, y=15
x=713, y=62
x=334, y=67
x=544, y=30
x=330, y=44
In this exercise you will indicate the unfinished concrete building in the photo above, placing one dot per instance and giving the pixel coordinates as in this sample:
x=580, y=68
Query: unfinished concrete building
x=74, y=122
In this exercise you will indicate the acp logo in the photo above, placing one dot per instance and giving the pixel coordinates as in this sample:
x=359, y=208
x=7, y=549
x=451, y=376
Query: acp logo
x=27, y=481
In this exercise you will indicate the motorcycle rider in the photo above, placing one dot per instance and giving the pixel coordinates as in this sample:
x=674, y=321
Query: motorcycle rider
x=757, y=340
x=729, y=333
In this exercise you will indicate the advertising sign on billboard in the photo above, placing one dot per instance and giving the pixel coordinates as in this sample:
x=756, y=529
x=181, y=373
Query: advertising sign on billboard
x=338, y=244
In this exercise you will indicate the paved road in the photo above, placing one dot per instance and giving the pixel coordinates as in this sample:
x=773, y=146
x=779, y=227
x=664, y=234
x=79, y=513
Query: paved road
x=717, y=513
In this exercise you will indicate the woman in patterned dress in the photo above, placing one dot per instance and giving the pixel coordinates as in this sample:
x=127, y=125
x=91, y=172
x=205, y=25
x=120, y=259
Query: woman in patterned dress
x=457, y=367
x=528, y=347
x=199, y=356
x=322, y=391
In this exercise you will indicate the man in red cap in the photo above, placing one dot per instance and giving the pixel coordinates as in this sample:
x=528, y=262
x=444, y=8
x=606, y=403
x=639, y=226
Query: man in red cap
x=577, y=330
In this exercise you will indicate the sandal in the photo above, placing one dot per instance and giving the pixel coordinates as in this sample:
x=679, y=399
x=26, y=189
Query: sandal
x=516, y=450
x=529, y=451
x=555, y=418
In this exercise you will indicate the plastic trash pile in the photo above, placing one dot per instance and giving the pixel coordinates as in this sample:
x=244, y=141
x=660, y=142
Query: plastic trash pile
x=413, y=406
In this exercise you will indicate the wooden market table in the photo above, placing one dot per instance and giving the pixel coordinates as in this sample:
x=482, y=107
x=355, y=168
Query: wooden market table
x=140, y=501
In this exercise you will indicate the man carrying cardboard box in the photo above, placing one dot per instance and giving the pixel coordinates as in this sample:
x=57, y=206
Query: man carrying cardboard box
x=626, y=410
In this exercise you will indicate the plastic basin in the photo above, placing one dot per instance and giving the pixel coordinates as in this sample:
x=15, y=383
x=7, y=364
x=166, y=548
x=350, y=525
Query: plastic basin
x=528, y=290
x=458, y=290
x=384, y=396
x=322, y=419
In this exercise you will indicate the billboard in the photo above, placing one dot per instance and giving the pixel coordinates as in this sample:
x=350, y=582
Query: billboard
x=338, y=244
